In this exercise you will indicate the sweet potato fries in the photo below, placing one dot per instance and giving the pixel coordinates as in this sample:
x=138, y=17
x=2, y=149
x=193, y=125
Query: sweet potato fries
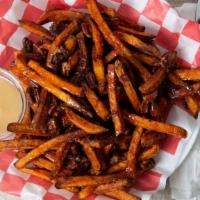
x=97, y=90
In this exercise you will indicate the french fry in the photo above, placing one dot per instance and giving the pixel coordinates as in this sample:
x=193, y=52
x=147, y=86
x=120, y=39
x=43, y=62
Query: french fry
x=121, y=195
x=154, y=82
x=192, y=105
x=67, y=137
x=188, y=74
x=137, y=43
x=113, y=40
x=110, y=56
x=141, y=35
x=59, y=15
x=98, y=144
x=119, y=184
x=80, y=181
x=35, y=29
x=39, y=162
x=83, y=63
x=41, y=173
x=88, y=127
x=155, y=125
x=37, y=121
x=97, y=39
x=20, y=128
x=177, y=81
x=120, y=166
x=133, y=150
x=92, y=156
x=60, y=156
x=96, y=103
x=86, y=192
x=20, y=144
x=114, y=107
x=128, y=87
x=98, y=68
x=72, y=189
x=55, y=80
x=70, y=44
x=56, y=91
x=69, y=65
x=150, y=152
x=98, y=65
x=146, y=59
x=73, y=27
x=44, y=163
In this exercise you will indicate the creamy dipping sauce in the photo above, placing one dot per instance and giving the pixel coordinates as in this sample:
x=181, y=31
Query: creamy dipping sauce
x=10, y=104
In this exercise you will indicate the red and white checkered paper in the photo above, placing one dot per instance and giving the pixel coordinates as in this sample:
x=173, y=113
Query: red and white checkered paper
x=173, y=33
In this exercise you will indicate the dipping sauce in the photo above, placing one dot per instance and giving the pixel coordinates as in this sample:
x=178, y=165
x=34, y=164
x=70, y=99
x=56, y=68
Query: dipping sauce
x=10, y=103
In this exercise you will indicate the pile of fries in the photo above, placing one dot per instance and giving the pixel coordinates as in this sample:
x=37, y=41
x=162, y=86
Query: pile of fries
x=97, y=90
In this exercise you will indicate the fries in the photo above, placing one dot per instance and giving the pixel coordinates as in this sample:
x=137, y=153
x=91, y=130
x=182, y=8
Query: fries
x=79, y=181
x=193, y=106
x=132, y=152
x=47, y=146
x=118, y=167
x=59, y=15
x=44, y=174
x=137, y=43
x=188, y=74
x=69, y=87
x=68, y=66
x=73, y=27
x=96, y=103
x=98, y=66
x=155, y=125
x=83, y=124
x=114, y=41
x=25, y=129
x=43, y=163
x=98, y=91
x=60, y=156
x=114, y=107
x=85, y=192
x=150, y=152
x=120, y=184
x=20, y=144
x=128, y=87
x=139, y=34
x=35, y=29
x=56, y=91
x=92, y=156
x=153, y=82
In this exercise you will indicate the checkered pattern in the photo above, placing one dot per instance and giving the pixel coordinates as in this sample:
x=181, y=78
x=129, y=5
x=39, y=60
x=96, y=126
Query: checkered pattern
x=173, y=33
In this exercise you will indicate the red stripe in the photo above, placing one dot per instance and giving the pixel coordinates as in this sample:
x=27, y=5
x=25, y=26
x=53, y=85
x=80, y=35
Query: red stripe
x=148, y=181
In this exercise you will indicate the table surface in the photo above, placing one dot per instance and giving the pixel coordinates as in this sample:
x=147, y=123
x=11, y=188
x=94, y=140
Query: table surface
x=162, y=195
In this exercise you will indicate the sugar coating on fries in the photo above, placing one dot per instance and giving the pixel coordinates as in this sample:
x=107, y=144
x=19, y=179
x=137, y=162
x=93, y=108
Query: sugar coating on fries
x=98, y=91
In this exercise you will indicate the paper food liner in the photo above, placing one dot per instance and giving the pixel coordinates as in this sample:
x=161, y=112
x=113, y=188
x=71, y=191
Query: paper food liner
x=173, y=33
